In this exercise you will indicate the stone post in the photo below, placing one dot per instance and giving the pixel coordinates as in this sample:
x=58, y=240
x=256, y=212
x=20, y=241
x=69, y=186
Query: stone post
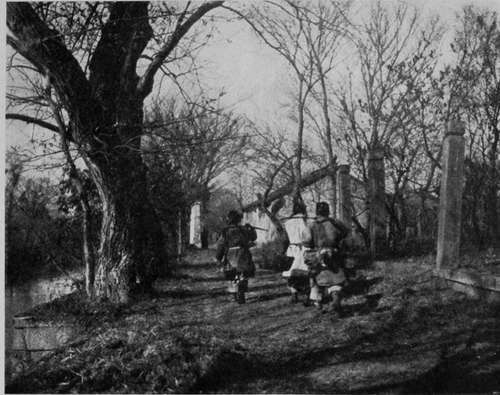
x=203, y=227
x=344, y=204
x=195, y=225
x=376, y=199
x=450, y=202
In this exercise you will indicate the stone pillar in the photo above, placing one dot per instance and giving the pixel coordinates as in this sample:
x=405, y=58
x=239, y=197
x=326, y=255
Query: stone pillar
x=203, y=227
x=195, y=225
x=450, y=202
x=376, y=200
x=344, y=204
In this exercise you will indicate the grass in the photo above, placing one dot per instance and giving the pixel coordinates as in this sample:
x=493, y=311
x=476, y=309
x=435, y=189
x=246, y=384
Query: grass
x=403, y=332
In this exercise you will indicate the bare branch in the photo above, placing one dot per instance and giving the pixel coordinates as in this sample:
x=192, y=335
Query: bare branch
x=145, y=83
x=35, y=121
x=44, y=48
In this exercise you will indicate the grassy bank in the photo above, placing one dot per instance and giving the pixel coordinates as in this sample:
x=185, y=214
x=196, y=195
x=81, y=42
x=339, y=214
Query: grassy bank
x=402, y=332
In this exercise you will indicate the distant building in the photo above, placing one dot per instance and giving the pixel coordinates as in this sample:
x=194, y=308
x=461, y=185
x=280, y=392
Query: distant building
x=318, y=191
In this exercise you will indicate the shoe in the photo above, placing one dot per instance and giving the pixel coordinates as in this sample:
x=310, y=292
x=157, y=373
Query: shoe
x=318, y=306
x=307, y=302
x=294, y=298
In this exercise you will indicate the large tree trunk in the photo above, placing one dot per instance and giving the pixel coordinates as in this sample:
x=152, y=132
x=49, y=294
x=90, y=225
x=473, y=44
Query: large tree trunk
x=132, y=243
x=83, y=197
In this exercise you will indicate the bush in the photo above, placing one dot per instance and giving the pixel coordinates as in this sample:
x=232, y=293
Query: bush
x=38, y=238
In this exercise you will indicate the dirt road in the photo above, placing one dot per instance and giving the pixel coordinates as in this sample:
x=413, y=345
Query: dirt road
x=403, y=332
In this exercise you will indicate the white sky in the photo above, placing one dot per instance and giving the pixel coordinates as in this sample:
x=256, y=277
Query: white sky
x=253, y=75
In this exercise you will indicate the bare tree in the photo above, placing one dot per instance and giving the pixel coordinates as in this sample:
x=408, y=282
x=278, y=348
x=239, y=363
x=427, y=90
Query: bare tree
x=200, y=141
x=101, y=61
x=396, y=55
x=326, y=26
x=281, y=26
x=477, y=48
x=271, y=159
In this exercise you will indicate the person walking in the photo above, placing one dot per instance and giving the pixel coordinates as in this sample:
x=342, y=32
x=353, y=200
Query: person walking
x=298, y=232
x=233, y=253
x=327, y=275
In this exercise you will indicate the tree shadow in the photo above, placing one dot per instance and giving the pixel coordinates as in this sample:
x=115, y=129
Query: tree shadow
x=271, y=296
x=458, y=373
x=191, y=293
x=264, y=287
x=235, y=371
x=360, y=286
x=206, y=279
x=367, y=307
x=198, y=265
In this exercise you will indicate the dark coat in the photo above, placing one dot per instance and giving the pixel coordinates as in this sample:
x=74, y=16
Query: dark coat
x=326, y=233
x=233, y=248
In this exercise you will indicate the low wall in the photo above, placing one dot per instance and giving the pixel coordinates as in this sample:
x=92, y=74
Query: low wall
x=34, y=339
x=475, y=285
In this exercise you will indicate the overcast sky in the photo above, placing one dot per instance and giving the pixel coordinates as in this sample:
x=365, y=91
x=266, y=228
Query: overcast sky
x=253, y=76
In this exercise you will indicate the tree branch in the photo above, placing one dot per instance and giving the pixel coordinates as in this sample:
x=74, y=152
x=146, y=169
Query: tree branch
x=35, y=121
x=145, y=84
x=44, y=48
x=113, y=63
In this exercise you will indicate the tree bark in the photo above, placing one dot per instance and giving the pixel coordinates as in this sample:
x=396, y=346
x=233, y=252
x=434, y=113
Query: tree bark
x=83, y=197
x=332, y=158
x=132, y=244
x=297, y=168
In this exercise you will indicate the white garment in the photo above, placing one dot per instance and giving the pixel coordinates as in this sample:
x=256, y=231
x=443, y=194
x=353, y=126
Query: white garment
x=298, y=232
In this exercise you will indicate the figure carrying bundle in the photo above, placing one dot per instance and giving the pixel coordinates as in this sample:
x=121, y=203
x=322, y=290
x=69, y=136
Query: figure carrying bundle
x=233, y=253
x=324, y=260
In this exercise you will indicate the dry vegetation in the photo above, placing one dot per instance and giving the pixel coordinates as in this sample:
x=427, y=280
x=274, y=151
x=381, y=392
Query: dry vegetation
x=403, y=332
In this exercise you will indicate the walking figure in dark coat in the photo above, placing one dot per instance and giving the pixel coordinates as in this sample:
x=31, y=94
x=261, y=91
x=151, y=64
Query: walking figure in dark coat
x=324, y=260
x=233, y=253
